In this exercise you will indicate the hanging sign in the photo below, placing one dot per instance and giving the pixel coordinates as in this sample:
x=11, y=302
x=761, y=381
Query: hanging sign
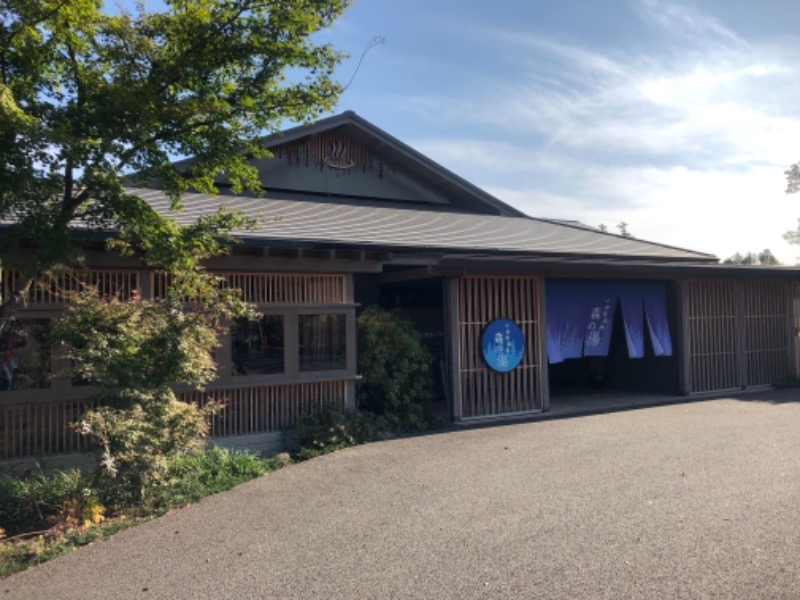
x=502, y=345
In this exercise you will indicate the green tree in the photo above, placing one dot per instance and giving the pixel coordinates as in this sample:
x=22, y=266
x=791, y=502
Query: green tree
x=793, y=178
x=134, y=352
x=792, y=187
x=88, y=97
x=764, y=258
x=622, y=226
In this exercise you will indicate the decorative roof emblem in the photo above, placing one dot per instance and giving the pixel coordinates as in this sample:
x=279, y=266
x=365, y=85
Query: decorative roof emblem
x=338, y=159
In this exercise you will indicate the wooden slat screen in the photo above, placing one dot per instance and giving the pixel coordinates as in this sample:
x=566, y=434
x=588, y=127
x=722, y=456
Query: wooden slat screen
x=796, y=329
x=485, y=392
x=110, y=283
x=45, y=428
x=42, y=428
x=738, y=334
x=767, y=315
x=712, y=335
x=335, y=150
x=265, y=288
x=266, y=408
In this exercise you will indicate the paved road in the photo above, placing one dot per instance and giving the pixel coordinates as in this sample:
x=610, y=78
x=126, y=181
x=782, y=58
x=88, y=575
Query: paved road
x=698, y=500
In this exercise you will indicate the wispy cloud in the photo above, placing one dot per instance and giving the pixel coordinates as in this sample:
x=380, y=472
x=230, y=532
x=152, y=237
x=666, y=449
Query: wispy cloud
x=686, y=22
x=704, y=123
x=665, y=116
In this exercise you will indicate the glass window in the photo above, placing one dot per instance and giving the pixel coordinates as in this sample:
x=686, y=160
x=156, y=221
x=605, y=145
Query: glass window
x=322, y=342
x=257, y=346
x=25, y=356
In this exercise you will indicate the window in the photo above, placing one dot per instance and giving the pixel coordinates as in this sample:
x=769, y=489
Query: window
x=322, y=342
x=257, y=346
x=25, y=356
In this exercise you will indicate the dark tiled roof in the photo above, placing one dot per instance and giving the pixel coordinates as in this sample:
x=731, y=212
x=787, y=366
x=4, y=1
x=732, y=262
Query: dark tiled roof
x=335, y=224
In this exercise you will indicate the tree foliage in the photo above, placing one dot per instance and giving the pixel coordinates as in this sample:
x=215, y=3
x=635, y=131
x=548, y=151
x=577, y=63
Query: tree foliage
x=792, y=187
x=133, y=352
x=793, y=179
x=764, y=258
x=88, y=97
x=622, y=226
x=395, y=368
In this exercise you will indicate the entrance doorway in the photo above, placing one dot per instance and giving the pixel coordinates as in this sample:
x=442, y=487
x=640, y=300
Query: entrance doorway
x=615, y=372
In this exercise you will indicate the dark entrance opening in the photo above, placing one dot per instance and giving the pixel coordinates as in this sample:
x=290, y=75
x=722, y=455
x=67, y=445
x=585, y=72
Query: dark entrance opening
x=617, y=372
x=421, y=302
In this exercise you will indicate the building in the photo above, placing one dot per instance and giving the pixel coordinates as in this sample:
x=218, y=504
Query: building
x=519, y=310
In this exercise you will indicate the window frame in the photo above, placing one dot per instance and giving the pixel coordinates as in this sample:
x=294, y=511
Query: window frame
x=291, y=339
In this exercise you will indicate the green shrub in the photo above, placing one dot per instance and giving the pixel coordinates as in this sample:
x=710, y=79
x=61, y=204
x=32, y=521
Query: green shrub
x=331, y=428
x=395, y=368
x=190, y=478
x=53, y=513
x=134, y=352
x=134, y=445
x=41, y=500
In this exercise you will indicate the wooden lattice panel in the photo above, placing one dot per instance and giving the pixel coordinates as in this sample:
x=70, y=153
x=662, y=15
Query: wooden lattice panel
x=738, y=334
x=712, y=336
x=275, y=288
x=287, y=287
x=42, y=428
x=54, y=289
x=267, y=408
x=796, y=332
x=334, y=150
x=767, y=316
x=485, y=392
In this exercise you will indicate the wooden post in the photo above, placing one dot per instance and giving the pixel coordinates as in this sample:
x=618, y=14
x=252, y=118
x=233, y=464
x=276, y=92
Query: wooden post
x=684, y=344
x=743, y=380
x=350, y=343
x=541, y=332
x=453, y=335
x=791, y=328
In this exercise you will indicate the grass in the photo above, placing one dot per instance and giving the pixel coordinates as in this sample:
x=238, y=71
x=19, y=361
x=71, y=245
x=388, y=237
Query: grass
x=18, y=555
x=49, y=515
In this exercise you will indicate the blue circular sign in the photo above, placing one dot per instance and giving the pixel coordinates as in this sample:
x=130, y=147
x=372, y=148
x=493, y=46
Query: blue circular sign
x=502, y=345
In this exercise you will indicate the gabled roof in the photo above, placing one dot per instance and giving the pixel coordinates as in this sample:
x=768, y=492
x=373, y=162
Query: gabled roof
x=402, y=157
x=355, y=225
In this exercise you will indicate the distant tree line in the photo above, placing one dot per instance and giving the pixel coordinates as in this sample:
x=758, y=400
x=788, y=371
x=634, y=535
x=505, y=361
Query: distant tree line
x=763, y=258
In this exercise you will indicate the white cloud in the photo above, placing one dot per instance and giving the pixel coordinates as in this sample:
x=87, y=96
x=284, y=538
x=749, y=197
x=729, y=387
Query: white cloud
x=686, y=143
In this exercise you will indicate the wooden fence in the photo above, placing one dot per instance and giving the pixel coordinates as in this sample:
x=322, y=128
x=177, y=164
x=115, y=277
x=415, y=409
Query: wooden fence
x=485, y=392
x=47, y=428
x=267, y=408
x=258, y=288
x=42, y=428
x=738, y=334
x=274, y=288
x=767, y=334
x=712, y=335
x=796, y=331
x=54, y=289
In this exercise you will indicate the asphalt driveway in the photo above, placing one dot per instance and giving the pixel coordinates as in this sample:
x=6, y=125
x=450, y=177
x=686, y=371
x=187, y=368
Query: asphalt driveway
x=684, y=501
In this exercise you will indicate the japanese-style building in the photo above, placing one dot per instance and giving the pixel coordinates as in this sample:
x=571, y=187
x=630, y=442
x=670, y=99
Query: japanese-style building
x=518, y=310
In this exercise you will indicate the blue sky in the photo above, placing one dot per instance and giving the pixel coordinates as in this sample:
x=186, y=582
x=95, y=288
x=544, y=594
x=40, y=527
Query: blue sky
x=676, y=117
